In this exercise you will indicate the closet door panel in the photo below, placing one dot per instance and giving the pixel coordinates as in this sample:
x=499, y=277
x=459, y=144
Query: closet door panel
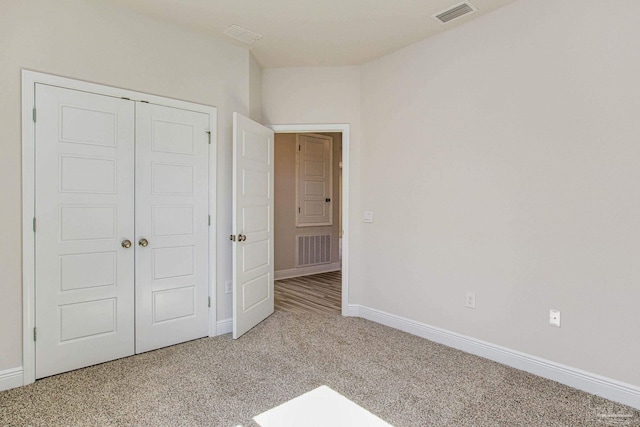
x=172, y=174
x=84, y=207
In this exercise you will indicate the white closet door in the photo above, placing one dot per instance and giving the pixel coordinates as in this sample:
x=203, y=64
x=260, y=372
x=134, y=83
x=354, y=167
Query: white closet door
x=252, y=224
x=84, y=211
x=172, y=173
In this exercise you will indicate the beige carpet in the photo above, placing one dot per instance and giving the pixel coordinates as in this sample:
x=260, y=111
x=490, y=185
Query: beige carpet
x=405, y=380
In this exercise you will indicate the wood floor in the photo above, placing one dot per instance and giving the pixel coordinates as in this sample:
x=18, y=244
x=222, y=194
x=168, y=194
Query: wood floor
x=319, y=293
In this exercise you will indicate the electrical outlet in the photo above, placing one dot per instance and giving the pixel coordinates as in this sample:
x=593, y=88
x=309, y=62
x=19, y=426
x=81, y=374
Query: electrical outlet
x=471, y=300
x=554, y=318
x=228, y=286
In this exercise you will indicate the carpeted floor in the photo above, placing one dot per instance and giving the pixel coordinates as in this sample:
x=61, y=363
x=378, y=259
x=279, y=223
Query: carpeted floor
x=405, y=380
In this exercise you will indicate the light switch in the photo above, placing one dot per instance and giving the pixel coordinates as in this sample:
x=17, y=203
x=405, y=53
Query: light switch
x=368, y=216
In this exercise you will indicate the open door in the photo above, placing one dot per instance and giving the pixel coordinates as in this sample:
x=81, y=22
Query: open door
x=252, y=237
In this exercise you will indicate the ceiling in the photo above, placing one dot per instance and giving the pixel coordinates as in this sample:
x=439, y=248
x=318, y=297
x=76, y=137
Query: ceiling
x=314, y=32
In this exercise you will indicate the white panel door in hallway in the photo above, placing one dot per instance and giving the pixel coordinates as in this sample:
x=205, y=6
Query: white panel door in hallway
x=120, y=268
x=172, y=214
x=84, y=211
x=314, y=180
x=252, y=224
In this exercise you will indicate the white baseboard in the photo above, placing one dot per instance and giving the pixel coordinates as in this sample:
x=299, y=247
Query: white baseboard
x=11, y=378
x=586, y=381
x=224, y=326
x=306, y=271
x=352, y=310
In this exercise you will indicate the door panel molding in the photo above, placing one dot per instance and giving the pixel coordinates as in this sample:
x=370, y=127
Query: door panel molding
x=29, y=81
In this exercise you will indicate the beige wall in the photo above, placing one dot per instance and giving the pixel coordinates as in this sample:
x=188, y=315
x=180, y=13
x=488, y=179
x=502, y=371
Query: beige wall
x=513, y=148
x=105, y=43
x=506, y=152
x=285, y=201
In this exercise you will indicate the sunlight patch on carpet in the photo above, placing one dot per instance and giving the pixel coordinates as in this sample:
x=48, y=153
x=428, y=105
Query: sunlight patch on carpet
x=322, y=407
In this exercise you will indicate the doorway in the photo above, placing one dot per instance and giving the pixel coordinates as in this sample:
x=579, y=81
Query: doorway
x=311, y=260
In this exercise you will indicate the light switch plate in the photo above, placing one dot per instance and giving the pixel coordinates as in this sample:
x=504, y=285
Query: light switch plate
x=367, y=216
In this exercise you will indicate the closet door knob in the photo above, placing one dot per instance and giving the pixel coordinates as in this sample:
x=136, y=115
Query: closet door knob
x=126, y=244
x=143, y=243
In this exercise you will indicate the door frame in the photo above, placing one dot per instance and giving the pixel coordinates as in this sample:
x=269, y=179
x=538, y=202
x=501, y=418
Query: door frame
x=29, y=80
x=344, y=129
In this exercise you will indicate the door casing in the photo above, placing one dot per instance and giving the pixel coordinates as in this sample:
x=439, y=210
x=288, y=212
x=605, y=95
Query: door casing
x=29, y=80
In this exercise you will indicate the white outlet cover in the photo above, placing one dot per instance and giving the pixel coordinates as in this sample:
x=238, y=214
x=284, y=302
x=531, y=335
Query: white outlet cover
x=471, y=300
x=228, y=286
x=554, y=318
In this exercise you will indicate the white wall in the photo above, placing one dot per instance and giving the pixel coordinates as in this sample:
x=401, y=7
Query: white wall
x=108, y=44
x=500, y=158
x=255, y=89
x=513, y=145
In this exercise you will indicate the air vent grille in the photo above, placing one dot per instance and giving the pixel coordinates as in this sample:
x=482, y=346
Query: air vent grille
x=242, y=34
x=455, y=12
x=313, y=250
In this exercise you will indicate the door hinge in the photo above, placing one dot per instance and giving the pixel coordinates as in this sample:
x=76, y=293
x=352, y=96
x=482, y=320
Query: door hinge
x=35, y=334
x=299, y=147
x=34, y=115
x=298, y=210
x=209, y=135
x=209, y=220
x=34, y=224
x=209, y=301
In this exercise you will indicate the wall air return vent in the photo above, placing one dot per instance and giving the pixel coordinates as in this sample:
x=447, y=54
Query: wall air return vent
x=313, y=250
x=242, y=34
x=455, y=12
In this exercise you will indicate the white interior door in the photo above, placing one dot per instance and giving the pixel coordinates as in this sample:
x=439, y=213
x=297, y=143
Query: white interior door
x=83, y=216
x=172, y=220
x=252, y=224
x=314, y=180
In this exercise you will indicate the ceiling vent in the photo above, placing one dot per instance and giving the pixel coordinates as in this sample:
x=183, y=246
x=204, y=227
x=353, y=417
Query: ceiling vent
x=242, y=34
x=455, y=12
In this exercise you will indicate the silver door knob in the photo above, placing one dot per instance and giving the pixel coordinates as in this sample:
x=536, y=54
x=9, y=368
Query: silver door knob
x=126, y=244
x=143, y=243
